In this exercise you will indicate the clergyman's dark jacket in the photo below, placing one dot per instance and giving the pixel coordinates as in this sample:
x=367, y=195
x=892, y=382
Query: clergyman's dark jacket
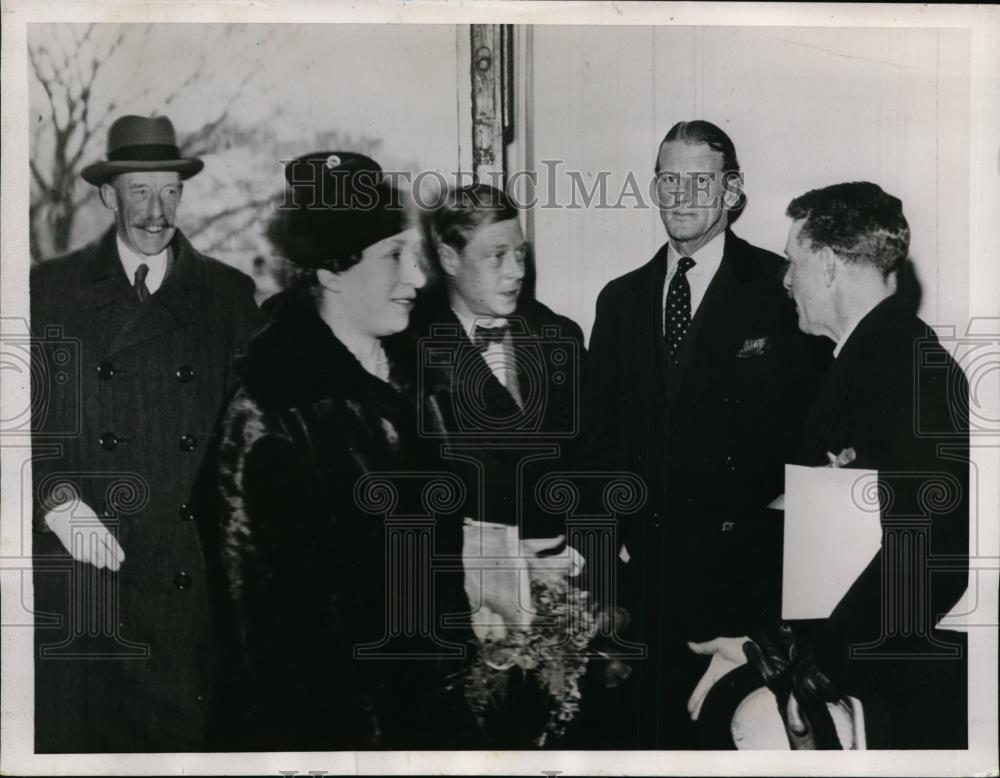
x=898, y=399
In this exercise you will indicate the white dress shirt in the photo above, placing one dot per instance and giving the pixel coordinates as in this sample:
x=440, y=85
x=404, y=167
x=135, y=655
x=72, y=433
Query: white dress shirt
x=707, y=260
x=495, y=353
x=157, y=264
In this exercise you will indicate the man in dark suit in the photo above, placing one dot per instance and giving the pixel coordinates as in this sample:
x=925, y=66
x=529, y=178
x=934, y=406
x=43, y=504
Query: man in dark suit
x=149, y=327
x=698, y=382
x=895, y=401
x=505, y=370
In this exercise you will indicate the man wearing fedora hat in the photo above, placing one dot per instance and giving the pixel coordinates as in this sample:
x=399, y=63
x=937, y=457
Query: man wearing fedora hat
x=123, y=635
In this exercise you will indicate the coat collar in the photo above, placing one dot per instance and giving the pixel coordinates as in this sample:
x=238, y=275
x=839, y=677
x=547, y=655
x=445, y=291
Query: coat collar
x=442, y=325
x=296, y=360
x=179, y=302
x=434, y=311
x=722, y=322
x=889, y=309
x=852, y=365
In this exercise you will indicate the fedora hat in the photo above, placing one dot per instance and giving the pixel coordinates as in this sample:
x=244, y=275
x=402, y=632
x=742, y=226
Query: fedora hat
x=141, y=143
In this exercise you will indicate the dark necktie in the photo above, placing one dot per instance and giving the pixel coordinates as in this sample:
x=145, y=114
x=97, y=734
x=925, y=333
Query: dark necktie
x=677, y=313
x=141, y=290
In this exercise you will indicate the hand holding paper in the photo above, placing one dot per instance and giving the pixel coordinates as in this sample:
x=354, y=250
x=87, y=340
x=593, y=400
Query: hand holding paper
x=832, y=531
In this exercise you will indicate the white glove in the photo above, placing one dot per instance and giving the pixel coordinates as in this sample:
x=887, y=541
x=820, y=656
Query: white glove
x=84, y=535
x=499, y=567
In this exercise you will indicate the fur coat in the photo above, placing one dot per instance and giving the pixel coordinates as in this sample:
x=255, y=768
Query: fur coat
x=336, y=551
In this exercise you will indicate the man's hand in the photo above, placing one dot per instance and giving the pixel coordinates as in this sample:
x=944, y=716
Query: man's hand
x=84, y=536
x=551, y=567
x=843, y=459
x=727, y=654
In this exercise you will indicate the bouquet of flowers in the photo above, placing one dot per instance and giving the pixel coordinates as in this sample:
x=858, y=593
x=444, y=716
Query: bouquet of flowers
x=555, y=647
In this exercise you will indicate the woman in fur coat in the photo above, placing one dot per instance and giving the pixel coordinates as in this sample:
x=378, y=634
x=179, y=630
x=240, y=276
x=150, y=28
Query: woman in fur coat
x=338, y=526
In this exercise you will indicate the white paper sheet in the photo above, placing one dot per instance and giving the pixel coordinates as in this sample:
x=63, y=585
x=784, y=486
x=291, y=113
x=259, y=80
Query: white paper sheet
x=832, y=531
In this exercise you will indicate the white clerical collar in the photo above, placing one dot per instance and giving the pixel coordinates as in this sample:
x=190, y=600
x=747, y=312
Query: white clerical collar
x=469, y=324
x=157, y=264
x=707, y=258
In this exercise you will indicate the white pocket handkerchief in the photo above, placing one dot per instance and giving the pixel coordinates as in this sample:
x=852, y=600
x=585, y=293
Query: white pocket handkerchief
x=754, y=347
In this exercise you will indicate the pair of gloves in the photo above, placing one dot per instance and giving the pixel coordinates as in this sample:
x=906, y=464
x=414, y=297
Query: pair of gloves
x=499, y=567
x=788, y=668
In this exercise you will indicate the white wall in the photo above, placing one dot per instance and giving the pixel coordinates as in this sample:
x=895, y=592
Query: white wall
x=805, y=108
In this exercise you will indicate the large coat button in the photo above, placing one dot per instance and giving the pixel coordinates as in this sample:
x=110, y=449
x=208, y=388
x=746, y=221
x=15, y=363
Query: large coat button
x=185, y=373
x=188, y=442
x=185, y=512
x=182, y=580
x=108, y=441
x=105, y=371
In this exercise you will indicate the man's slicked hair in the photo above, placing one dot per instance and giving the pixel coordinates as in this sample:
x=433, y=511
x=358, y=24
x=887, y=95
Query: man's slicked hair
x=859, y=221
x=701, y=131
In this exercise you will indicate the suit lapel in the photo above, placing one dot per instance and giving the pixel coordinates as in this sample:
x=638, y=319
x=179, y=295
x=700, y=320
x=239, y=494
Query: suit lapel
x=176, y=304
x=725, y=316
x=479, y=387
x=107, y=291
x=826, y=428
x=824, y=417
x=648, y=291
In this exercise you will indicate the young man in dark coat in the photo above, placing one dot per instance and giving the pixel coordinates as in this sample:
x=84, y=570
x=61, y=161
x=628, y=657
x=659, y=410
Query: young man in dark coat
x=505, y=371
x=895, y=401
x=505, y=367
x=698, y=382
x=146, y=328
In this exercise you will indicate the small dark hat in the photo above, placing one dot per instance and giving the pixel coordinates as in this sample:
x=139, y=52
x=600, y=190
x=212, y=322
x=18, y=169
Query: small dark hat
x=139, y=143
x=340, y=202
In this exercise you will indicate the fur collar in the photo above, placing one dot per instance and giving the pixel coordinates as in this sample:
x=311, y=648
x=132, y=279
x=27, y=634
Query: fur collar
x=296, y=360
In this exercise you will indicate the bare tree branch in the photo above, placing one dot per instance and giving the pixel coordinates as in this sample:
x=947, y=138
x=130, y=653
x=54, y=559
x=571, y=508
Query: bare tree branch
x=39, y=179
x=226, y=213
x=197, y=142
x=193, y=76
x=46, y=84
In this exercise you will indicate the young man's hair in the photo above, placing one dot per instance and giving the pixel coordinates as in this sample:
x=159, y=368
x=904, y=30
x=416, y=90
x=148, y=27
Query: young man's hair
x=462, y=211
